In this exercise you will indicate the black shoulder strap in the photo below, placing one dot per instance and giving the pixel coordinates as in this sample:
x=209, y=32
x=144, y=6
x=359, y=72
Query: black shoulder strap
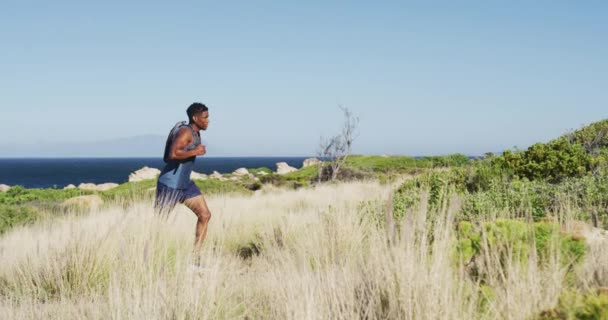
x=171, y=137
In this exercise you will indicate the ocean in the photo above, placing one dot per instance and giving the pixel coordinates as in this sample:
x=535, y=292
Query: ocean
x=60, y=172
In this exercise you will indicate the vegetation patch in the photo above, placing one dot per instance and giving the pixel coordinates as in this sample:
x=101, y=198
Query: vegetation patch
x=517, y=241
x=575, y=306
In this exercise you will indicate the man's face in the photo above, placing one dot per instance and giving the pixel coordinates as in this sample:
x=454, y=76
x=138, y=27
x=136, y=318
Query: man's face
x=202, y=120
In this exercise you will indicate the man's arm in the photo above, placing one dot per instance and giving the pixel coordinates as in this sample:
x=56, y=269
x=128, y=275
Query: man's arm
x=183, y=139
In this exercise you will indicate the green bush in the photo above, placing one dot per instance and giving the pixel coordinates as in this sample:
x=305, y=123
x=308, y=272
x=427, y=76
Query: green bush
x=552, y=162
x=490, y=195
x=296, y=179
x=573, y=155
x=453, y=160
x=516, y=239
x=214, y=186
x=15, y=215
x=403, y=164
x=130, y=191
x=593, y=138
x=20, y=206
x=20, y=195
x=258, y=170
x=438, y=185
x=573, y=305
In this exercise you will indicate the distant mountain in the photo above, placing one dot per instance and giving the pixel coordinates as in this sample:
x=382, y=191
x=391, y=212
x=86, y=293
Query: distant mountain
x=137, y=146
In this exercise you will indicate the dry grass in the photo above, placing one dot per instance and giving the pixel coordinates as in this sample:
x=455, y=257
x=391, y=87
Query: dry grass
x=306, y=254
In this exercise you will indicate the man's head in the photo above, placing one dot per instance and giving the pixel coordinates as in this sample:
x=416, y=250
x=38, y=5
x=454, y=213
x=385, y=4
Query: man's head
x=198, y=114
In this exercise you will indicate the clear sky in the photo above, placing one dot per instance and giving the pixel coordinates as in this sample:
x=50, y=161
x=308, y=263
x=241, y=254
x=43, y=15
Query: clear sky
x=425, y=77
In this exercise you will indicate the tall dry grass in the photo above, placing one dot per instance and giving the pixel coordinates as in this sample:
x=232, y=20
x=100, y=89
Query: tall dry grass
x=326, y=253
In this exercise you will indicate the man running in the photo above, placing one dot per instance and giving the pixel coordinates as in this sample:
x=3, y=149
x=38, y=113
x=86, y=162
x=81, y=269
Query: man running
x=174, y=183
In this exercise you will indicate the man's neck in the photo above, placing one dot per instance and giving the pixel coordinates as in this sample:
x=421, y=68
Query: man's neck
x=194, y=126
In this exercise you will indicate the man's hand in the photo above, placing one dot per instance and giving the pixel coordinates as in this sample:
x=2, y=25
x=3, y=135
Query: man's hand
x=200, y=150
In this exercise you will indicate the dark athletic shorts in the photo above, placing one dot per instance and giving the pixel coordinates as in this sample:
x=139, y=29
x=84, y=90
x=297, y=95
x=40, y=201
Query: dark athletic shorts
x=167, y=197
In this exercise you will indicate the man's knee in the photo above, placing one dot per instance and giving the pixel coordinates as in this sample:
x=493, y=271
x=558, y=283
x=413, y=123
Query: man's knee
x=203, y=215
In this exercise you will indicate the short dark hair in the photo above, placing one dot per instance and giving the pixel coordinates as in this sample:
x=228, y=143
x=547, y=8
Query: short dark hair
x=195, y=109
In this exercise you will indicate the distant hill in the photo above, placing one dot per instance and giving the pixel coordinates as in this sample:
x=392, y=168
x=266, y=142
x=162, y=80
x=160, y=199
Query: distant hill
x=137, y=146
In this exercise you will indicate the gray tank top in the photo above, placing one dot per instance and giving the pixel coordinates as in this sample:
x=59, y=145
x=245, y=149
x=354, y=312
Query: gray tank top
x=176, y=173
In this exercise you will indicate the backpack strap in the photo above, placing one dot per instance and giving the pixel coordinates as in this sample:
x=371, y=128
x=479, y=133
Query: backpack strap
x=195, y=137
x=171, y=137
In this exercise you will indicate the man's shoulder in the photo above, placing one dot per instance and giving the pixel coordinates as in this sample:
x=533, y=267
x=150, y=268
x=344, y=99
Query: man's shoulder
x=185, y=131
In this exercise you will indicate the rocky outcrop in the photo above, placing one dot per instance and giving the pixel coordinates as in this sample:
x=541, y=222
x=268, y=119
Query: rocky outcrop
x=310, y=162
x=87, y=186
x=4, y=188
x=69, y=186
x=241, y=172
x=106, y=186
x=590, y=234
x=88, y=201
x=283, y=168
x=218, y=176
x=198, y=176
x=96, y=187
x=144, y=173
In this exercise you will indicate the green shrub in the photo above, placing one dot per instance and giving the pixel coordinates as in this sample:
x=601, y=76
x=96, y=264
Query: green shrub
x=593, y=138
x=214, y=186
x=572, y=155
x=14, y=215
x=296, y=179
x=19, y=195
x=258, y=170
x=573, y=305
x=130, y=191
x=403, y=164
x=551, y=162
x=518, y=239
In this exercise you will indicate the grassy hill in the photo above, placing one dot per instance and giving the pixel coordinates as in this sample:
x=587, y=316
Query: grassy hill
x=506, y=237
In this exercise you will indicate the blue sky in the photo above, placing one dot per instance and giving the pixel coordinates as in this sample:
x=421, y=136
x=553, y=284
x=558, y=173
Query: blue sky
x=424, y=77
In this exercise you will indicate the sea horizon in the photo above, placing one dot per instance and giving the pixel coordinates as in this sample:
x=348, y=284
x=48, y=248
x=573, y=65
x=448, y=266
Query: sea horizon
x=60, y=172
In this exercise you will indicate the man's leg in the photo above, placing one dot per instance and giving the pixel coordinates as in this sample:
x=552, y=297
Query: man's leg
x=198, y=205
x=166, y=199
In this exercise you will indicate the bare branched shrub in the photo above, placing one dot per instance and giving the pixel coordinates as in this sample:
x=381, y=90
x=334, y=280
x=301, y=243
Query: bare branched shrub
x=336, y=149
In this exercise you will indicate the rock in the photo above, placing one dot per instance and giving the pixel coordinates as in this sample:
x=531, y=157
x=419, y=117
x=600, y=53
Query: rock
x=216, y=175
x=106, y=186
x=70, y=186
x=95, y=187
x=4, y=188
x=235, y=178
x=198, y=176
x=310, y=162
x=582, y=230
x=241, y=172
x=262, y=173
x=88, y=201
x=87, y=186
x=144, y=173
x=283, y=168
